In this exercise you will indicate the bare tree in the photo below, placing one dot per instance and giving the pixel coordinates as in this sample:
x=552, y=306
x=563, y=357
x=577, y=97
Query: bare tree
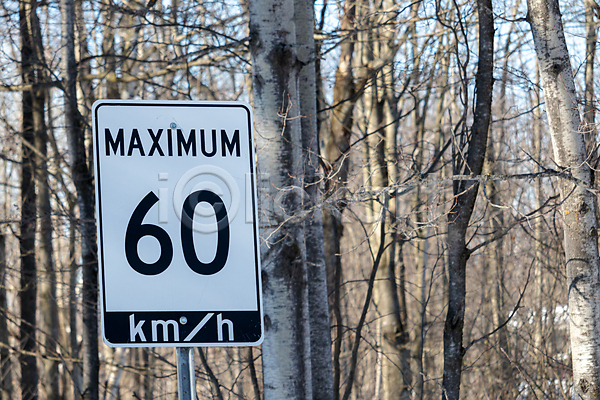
x=32, y=107
x=380, y=123
x=465, y=193
x=286, y=349
x=578, y=207
x=83, y=181
x=320, y=336
x=335, y=136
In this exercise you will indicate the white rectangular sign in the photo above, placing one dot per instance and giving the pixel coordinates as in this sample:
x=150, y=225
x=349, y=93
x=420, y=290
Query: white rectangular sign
x=177, y=223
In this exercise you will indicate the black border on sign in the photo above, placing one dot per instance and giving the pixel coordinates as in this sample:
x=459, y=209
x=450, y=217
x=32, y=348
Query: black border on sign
x=161, y=314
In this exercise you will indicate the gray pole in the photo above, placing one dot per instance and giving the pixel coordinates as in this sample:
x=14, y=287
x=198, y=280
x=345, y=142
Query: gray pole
x=186, y=380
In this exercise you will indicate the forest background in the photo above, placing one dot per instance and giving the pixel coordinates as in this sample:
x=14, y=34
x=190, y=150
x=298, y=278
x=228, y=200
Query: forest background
x=429, y=214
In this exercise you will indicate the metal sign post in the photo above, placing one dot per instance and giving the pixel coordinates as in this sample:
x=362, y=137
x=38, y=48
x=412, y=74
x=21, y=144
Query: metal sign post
x=186, y=379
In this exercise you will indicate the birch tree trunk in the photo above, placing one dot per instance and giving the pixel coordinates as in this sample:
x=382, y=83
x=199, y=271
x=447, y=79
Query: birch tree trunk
x=578, y=206
x=286, y=348
x=320, y=335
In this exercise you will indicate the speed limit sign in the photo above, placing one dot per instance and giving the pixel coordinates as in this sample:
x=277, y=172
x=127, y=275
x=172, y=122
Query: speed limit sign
x=177, y=223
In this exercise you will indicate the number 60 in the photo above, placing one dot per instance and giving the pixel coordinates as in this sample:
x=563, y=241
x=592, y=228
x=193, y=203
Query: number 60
x=136, y=230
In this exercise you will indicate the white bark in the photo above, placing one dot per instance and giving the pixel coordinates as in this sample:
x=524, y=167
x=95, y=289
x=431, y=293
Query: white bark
x=286, y=348
x=320, y=335
x=580, y=230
